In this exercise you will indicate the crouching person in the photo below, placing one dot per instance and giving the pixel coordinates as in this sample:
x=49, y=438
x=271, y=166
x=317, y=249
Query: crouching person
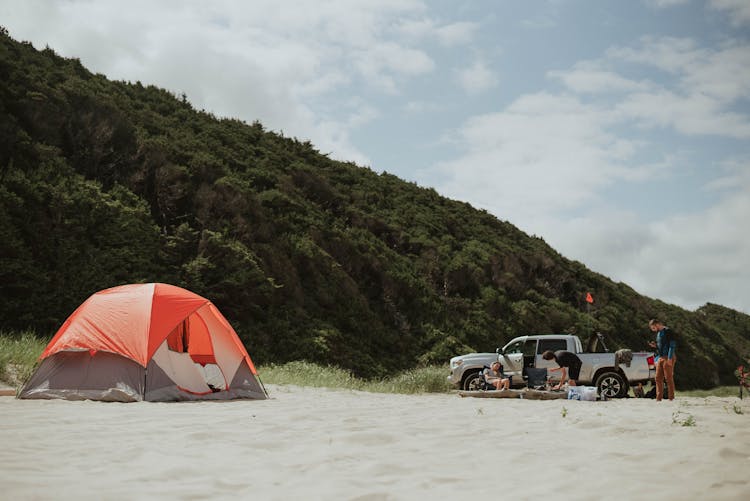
x=569, y=363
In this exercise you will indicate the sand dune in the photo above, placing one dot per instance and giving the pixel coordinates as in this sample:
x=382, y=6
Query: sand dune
x=323, y=444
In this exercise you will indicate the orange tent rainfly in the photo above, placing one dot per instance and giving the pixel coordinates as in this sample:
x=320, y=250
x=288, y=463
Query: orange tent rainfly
x=154, y=342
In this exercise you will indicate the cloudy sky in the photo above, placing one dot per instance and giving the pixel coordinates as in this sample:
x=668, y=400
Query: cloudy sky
x=617, y=131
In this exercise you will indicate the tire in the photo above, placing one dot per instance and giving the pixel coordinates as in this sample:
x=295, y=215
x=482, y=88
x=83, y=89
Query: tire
x=611, y=385
x=472, y=382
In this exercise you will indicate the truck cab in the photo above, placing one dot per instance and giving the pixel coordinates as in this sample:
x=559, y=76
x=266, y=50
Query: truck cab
x=526, y=351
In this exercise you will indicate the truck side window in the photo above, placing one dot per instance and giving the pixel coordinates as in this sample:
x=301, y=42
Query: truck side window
x=529, y=348
x=516, y=347
x=551, y=344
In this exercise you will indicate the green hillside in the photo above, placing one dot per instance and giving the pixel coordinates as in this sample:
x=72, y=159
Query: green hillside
x=104, y=183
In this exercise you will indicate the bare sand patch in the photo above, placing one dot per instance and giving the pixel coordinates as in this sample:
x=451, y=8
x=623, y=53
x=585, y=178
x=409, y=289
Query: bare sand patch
x=332, y=444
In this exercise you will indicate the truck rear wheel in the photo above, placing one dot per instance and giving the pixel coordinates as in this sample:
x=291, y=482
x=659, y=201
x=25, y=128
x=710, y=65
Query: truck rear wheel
x=472, y=382
x=611, y=385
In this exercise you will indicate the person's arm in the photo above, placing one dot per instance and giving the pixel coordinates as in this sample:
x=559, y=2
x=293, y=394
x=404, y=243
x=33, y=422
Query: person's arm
x=562, y=378
x=670, y=353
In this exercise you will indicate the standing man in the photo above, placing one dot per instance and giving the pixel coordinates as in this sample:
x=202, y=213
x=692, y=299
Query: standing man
x=569, y=363
x=665, y=345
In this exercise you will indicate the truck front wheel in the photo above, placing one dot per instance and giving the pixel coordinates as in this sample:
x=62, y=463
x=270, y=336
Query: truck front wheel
x=472, y=382
x=611, y=385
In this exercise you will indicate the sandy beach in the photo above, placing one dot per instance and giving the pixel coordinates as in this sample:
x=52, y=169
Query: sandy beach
x=332, y=444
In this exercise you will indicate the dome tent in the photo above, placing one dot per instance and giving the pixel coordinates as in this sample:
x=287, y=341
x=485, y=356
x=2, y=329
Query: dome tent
x=153, y=342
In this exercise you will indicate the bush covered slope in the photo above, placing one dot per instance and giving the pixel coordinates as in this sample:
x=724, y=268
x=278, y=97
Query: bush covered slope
x=104, y=183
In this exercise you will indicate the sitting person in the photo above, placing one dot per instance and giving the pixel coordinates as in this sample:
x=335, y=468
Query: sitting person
x=569, y=363
x=496, y=377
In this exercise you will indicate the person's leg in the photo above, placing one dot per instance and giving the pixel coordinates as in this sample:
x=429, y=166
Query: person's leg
x=659, y=379
x=669, y=375
x=506, y=384
x=574, y=374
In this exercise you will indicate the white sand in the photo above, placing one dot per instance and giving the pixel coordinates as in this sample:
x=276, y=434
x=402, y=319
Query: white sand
x=320, y=444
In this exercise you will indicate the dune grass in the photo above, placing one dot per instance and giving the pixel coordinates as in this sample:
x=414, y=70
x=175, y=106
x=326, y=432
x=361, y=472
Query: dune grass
x=430, y=379
x=719, y=391
x=18, y=355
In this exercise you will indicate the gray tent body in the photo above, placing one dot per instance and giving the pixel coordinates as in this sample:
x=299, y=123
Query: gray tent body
x=79, y=375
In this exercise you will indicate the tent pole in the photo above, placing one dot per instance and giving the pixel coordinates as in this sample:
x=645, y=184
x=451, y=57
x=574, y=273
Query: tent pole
x=262, y=385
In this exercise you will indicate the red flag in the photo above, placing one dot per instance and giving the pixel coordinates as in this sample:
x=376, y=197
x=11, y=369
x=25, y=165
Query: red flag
x=589, y=299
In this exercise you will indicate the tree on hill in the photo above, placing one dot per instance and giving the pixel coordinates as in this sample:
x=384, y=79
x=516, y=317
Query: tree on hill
x=104, y=183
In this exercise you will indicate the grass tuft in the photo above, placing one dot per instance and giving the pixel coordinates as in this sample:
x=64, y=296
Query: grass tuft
x=430, y=379
x=719, y=391
x=18, y=356
x=683, y=418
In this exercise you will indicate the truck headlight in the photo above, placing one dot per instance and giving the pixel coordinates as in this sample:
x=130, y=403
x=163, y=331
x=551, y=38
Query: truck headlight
x=456, y=363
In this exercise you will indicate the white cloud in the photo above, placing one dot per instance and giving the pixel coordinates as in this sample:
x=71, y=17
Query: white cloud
x=688, y=259
x=664, y=4
x=699, y=257
x=736, y=176
x=543, y=154
x=392, y=58
x=691, y=115
x=607, y=240
x=591, y=77
x=448, y=35
x=542, y=20
x=476, y=78
x=320, y=84
x=666, y=53
x=738, y=10
x=416, y=29
x=417, y=107
x=723, y=73
x=695, y=95
x=456, y=33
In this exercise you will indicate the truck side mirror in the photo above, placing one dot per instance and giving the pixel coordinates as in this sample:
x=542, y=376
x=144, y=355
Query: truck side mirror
x=500, y=351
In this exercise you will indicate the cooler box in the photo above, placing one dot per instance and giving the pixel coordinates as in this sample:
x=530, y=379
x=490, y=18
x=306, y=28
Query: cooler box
x=582, y=393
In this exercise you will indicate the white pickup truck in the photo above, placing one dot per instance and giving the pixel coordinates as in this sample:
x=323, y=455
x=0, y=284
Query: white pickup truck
x=611, y=373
